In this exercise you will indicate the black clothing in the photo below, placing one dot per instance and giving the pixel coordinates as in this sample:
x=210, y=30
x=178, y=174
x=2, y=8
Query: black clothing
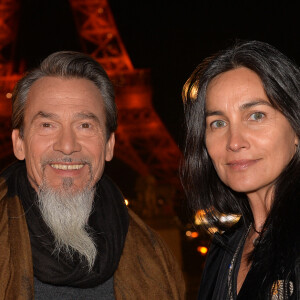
x=214, y=282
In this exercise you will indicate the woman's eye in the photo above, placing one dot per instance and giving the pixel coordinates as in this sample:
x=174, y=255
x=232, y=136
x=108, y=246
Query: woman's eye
x=218, y=124
x=257, y=116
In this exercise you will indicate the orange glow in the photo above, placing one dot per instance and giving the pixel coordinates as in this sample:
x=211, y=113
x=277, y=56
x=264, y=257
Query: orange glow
x=200, y=217
x=212, y=230
x=126, y=202
x=188, y=233
x=8, y=95
x=192, y=234
x=202, y=250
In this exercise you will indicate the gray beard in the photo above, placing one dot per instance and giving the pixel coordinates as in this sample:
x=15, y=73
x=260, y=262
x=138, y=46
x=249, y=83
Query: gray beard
x=66, y=213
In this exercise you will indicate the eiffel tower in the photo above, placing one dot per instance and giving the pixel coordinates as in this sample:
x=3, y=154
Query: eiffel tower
x=143, y=142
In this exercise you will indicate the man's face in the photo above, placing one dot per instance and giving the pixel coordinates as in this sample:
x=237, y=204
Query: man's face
x=64, y=143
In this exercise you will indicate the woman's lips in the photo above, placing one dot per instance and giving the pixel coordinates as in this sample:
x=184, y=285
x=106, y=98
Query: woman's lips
x=241, y=164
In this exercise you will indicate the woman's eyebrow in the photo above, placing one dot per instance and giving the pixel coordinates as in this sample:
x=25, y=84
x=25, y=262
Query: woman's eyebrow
x=244, y=106
x=250, y=104
x=209, y=113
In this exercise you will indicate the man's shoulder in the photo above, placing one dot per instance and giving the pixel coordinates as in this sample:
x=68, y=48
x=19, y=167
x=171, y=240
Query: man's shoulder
x=147, y=269
x=3, y=189
x=7, y=176
x=141, y=232
x=148, y=241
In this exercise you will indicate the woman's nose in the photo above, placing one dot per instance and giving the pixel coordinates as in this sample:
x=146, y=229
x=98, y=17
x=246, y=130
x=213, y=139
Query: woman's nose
x=237, y=140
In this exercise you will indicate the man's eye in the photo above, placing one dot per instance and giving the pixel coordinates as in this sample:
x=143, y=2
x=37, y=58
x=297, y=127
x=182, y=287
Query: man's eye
x=218, y=124
x=46, y=125
x=257, y=116
x=85, y=125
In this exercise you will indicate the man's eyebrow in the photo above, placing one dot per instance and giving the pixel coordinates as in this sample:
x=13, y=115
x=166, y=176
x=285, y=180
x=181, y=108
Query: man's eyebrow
x=42, y=114
x=244, y=106
x=87, y=115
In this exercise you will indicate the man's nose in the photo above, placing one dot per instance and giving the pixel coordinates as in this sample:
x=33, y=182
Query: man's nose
x=237, y=139
x=67, y=142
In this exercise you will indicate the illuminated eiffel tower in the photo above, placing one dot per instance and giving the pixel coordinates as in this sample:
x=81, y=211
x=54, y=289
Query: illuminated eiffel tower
x=143, y=142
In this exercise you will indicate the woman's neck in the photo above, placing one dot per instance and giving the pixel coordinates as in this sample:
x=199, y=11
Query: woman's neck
x=260, y=203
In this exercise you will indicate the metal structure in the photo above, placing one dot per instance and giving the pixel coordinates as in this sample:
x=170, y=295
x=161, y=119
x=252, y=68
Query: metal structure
x=143, y=142
x=99, y=35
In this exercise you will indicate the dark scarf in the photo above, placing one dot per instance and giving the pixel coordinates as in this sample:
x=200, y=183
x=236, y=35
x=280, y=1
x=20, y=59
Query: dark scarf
x=109, y=221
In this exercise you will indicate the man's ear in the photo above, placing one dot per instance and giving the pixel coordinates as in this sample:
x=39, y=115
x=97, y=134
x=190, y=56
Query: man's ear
x=18, y=144
x=109, y=147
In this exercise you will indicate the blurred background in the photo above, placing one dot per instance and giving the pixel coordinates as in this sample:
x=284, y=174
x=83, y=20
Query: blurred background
x=148, y=48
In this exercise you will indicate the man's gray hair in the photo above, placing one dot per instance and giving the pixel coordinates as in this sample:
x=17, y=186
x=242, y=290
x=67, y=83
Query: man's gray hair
x=66, y=64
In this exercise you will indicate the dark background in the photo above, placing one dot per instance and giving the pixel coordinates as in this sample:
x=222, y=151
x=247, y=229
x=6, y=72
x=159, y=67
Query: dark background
x=173, y=37
x=169, y=37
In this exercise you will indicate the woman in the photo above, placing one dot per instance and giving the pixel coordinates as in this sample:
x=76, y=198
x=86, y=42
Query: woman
x=241, y=156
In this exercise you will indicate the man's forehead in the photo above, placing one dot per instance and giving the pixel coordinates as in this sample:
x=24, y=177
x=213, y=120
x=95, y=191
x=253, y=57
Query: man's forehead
x=54, y=84
x=56, y=91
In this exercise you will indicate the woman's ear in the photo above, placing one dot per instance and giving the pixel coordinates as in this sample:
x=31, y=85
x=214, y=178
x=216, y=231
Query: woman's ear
x=18, y=144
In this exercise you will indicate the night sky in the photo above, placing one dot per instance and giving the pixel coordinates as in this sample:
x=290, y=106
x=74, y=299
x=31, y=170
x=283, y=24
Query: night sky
x=169, y=37
x=173, y=37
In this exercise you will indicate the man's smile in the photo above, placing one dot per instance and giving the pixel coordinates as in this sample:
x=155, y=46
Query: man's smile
x=67, y=166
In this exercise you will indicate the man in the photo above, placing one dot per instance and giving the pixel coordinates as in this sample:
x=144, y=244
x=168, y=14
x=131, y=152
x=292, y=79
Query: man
x=65, y=232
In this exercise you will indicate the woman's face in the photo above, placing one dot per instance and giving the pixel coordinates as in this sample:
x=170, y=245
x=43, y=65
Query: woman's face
x=248, y=140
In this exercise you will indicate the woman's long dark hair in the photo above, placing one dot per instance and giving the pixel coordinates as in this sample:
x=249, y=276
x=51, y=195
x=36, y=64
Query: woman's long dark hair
x=279, y=248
